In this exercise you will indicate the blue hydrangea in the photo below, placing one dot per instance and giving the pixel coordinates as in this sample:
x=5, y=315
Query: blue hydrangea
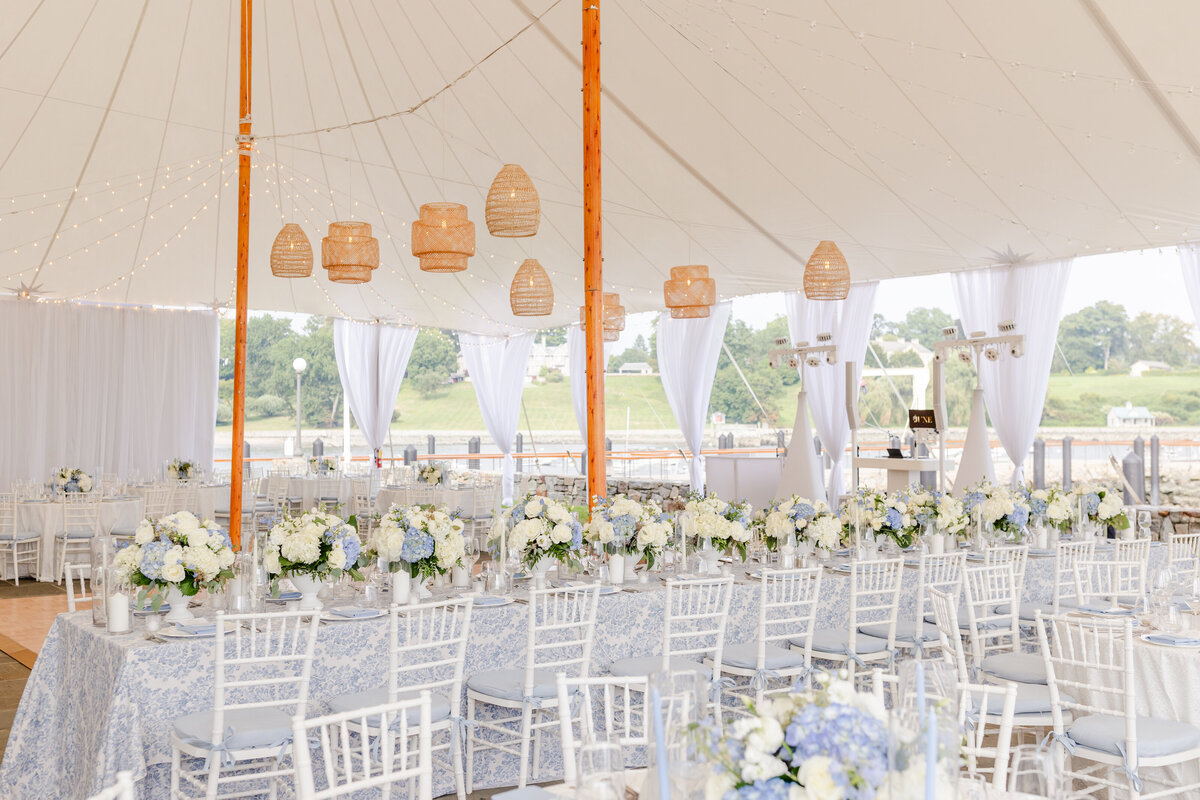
x=1091, y=503
x=352, y=547
x=893, y=519
x=417, y=546
x=623, y=527
x=576, y=535
x=152, y=559
x=1019, y=516
x=803, y=511
x=518, y=512
x=1037, y=506
x=773, y=789
x=973, y=499
x=854, y=740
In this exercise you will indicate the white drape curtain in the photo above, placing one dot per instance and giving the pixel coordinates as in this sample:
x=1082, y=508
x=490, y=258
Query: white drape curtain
x=496, y=365
x=688, y=350
x=1189, y=262
x=849, y=322
x=577, y=355
x=99, y=388
x=1014, y=389
x=371, y=361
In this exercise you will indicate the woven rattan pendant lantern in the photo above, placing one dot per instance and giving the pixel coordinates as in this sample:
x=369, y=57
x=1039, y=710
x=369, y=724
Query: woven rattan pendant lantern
x=531, y=294
x=690, y=292
x=291, y=254
x=443, y=238
x=513, y=209
x=349, y=252
x=827, y=275
x=613, y=314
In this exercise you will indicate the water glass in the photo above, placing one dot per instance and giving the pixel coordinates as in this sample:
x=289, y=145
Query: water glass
x=601, y=773
x=1034, y=771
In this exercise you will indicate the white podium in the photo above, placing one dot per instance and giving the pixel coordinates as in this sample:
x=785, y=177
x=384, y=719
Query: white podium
x=901, y=472
x=753, y=478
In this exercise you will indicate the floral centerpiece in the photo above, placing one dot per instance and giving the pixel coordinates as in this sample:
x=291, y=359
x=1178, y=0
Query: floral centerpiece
x=73, y=479
x=725, y=525
x=180, y=470
x=939, y=517
x=433, y=473
x=1051, y=506
x=1006, y=510
x=322, y=464
x=542, y=530
x=309, y=549
x=831, y=742
x=1100, y=505
x=178, y=555
x=626, y=528
x=421, y=541
x=880, y=515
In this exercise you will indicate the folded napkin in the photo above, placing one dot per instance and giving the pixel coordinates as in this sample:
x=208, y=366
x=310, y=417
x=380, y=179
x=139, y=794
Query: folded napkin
x=1097, y=608
x=352, y=612
x=1176, y=639
x=490, y=600
x=197, y=627
x=285, y=596
x=526, y=793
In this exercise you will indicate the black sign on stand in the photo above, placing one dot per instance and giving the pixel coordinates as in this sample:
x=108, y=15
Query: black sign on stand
x=919, y=418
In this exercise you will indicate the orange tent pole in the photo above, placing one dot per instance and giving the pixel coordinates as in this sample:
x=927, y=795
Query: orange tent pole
x=592, y=259
x=245, y=144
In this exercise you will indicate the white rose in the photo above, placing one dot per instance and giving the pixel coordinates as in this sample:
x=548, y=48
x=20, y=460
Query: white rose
x=717, y=784
x=814, y=774
x=561, y=534
x=779, y=525
x=556, y=513
x=787, y=505
x=144, y=533
x=173, y=572
x=271, y=562
x=533, y=507
x=544, y=541
x=337, y=558
x=85, y=483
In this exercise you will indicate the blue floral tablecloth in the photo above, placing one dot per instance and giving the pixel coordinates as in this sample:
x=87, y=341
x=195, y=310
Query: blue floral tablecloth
x=96, y=704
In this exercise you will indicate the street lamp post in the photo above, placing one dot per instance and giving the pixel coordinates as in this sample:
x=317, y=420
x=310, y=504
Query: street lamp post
x=299, y=365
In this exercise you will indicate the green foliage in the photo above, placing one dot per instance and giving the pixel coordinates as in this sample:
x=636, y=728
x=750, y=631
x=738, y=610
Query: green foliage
x=554, y=337
x=267, y=405
x=434, y=359
x=637, y=353
x=1092, y=337
x=429, y=384
x=1161, y=337
x=224, y=412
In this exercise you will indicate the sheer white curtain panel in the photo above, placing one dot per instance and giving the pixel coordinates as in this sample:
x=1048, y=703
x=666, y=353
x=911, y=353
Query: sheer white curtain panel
x=496, y=366
x=103, y=388
x=688, y=350
x=577, y=355
x=1189, y=262
x=1014, y=389
x=371, y=360
x=849, y=322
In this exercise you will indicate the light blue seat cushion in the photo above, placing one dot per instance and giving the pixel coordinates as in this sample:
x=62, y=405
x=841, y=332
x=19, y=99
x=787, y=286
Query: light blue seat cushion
x=252, y=727
x=1155, y=736
x=509, y=684
x=1032, y=698
x=745, y=656
x=836, y=642
x=964, y=624
x=1017, y=667
x=20, y=536
x=75, y=534
x=904, y=631
x=439, y=705
x=648, y=665
x=1026, y=614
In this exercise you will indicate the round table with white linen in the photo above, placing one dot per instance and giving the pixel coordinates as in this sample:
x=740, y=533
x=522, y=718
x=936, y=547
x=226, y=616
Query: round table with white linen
x=308, y=488
x=460, y=497
x=207, y=499
x=120, y=514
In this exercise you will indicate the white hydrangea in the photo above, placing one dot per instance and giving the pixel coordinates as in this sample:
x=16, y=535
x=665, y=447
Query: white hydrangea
x=654, y=534
x=825, y=532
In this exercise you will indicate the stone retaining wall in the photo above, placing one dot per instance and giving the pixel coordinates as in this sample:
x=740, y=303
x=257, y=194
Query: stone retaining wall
x=573, y=489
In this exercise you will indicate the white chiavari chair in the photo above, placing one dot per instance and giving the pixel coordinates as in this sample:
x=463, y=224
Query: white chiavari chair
x=995, y=635
x=874, y=597
x=329, y=492
x=121, y=790
x=77, y=578
x=261, y=678
x=1066, y=554
x=787, y=611
x=560, y=630
x=609, y=710
x=23, y=546
x=185, y=496
x=1092, y=659
x=1183, y=552
x=934, y=571
x=157, y=501
x=353, y=764
x=1109, y=583
x=361, y=489
x=1015, y=554
x=80, y=524
x=427, y=648
x=985, y=715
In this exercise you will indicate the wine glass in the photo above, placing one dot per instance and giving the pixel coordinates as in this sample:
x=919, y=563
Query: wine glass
x=1034, y=771
x=601, y=772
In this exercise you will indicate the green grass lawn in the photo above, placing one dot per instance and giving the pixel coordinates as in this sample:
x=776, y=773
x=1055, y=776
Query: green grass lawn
x=1086, y=399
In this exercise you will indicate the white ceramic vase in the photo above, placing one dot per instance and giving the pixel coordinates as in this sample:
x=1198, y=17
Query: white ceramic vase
x=936, y=544
x=539, y=572
x=179, y=611
x=308, y=587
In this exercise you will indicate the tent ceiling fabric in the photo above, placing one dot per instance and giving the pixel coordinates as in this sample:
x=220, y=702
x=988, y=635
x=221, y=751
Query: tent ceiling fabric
x=922, y=137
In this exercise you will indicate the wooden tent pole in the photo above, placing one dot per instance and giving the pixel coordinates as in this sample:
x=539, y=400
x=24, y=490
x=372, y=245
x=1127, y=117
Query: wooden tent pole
x=245, y=144
x=592, y=260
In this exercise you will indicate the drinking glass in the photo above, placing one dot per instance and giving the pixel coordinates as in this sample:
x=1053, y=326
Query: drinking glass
x=1034, y=771
x=601, y=772
x=682, y=699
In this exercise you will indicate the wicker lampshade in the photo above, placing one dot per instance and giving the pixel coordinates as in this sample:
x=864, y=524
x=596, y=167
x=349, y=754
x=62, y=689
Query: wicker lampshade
x=827, y=275
x=513, y=209
x=531, y=294
x=443, y=238
x=613, y=314
x=291, y=254
x=689, y=292
x=350, y=252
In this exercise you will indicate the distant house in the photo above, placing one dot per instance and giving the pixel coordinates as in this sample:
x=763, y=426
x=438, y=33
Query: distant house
x=892, y=346
x=635, y=368
x=1140, y=368
x=1130, y=416
x=550, y=357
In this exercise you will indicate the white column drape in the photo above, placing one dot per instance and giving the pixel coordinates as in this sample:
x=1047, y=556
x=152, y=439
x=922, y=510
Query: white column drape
x=371, y=361
x=688, y=350
x=1189, y=263
x=849, y=321
x=1014, y=389
x=577, y=357
x=114, y=389
x=496, y=365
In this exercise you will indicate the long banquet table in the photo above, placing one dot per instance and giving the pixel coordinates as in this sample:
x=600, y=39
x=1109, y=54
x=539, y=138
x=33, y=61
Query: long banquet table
x=96, y=704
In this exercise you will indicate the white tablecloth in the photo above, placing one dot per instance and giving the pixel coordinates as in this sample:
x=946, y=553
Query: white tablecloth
x=208, y=498
x=121, y=514
x=462, y=498
x=306, y=489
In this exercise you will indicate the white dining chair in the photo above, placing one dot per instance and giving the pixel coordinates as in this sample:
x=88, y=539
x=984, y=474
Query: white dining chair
x=427, y=649
x=157, y=501
x=17, y=546
x=1183, y=551
x=1092, y=659
x=261, y=672
x=985, y=716
x=1015, y=554
x=874, y=597
x=694, y=619
x=787, y=612
x=121, y=790
x=363, y=511
x=329, y=491
x=395, y=757
x=77, y=578
x=185, y=496
x=80, y=524
x=1063, y=596
x=608, y=710
x=934, y=571
x=995, y=635
x=1108, y=582
x=560, y=630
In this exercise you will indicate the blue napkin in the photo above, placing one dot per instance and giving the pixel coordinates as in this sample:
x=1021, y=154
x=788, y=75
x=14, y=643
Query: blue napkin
x=1175, y=639
x=1097, y=608
x=197, y=627
x=353, y=612
x=285, y=596
x=489, y=600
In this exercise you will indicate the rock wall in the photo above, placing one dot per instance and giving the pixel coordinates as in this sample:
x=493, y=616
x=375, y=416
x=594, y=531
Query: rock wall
x=573, y=489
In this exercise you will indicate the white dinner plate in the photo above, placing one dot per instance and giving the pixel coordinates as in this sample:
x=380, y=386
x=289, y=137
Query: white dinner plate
x=328, y=616
x=174, y=633
x=608, y=590
x=492, y=601
x=1041, y=552
x=1119, y=613
x=147, y=611
x=1145, y=637
x=845, y=568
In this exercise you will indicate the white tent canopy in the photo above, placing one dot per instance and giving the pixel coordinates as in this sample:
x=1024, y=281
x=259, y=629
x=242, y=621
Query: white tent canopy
x=922, y=137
